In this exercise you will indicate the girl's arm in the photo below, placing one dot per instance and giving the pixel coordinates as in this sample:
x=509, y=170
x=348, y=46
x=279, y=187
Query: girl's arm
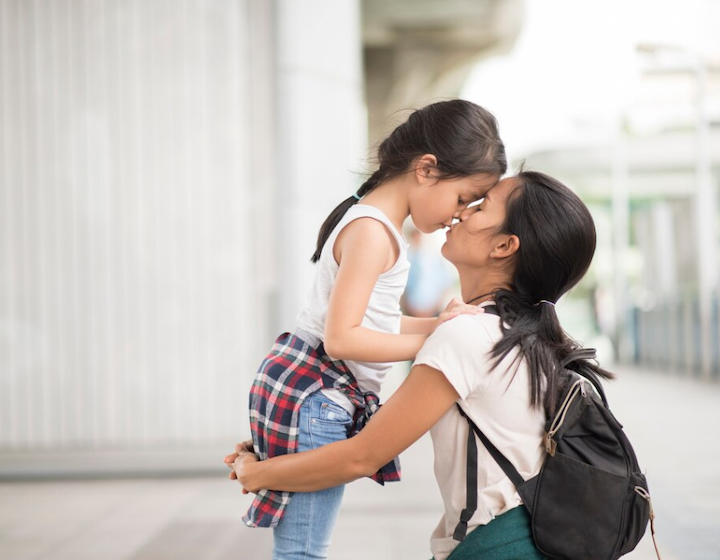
x=423, y=398
x=417, y=325
x=364, y=250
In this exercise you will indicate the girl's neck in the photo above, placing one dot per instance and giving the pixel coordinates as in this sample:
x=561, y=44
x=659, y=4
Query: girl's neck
x=391, y=198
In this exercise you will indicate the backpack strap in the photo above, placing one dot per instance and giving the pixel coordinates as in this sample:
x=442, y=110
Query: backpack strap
x=507, y=467
x=471, y=473
x=573, y=362
x=472, y=493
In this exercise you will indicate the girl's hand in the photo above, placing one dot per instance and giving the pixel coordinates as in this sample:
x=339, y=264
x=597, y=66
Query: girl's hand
x=454, y=308
x=236, y=461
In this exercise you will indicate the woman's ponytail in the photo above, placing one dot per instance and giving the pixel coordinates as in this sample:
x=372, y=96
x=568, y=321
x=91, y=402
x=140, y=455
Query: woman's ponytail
x=557, y=243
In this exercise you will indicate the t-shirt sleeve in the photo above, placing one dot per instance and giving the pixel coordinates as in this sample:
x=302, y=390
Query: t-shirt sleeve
x=460, y=348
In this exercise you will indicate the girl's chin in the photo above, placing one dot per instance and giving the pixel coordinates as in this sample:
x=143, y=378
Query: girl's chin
x=428, y=229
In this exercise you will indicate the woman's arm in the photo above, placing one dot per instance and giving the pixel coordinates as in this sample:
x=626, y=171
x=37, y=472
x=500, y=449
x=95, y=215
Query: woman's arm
x=423, y=398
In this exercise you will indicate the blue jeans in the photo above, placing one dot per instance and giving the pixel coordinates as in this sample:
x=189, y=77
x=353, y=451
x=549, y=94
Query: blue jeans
x=305, y=529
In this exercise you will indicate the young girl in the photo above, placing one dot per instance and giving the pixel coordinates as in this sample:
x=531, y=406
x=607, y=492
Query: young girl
x=320, y=384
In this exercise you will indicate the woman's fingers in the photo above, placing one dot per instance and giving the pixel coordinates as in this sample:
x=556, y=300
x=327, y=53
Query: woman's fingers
x=243, y=452
x=453, y=303
x=240, y=448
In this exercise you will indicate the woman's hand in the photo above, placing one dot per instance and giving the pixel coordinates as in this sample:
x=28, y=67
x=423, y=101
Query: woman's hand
x=454, y=308
x=236, y=461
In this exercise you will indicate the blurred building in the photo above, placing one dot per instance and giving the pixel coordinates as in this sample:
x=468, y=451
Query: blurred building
x=164, y=168
x=654, y=187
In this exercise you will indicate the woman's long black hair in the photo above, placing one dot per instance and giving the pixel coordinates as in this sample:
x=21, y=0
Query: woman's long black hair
x=462, y=136
x=557, y=244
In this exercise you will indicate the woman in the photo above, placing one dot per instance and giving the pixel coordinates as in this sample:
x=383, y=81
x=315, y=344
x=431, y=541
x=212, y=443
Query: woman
x=528, y=242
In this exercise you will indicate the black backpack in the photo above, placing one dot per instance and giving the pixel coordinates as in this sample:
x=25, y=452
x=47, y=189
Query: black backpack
x=590, y=501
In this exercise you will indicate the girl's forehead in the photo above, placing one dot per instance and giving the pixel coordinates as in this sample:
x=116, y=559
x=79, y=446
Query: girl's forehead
x=484, y=180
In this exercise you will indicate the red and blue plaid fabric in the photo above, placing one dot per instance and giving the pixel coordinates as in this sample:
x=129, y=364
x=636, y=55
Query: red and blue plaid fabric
x=292, y=371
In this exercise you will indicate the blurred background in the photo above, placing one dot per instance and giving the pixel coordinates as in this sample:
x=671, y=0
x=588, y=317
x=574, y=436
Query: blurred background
x=165, y=166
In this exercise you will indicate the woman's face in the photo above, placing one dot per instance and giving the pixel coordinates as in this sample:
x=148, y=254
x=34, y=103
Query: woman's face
x=471, y=240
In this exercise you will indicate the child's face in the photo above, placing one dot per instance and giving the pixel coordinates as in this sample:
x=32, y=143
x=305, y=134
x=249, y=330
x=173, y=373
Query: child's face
x=434, y=206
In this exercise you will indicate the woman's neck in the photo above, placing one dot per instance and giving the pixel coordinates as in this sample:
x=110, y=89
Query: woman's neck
x=477, y=285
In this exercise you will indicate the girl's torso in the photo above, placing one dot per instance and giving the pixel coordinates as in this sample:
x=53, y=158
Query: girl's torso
x=383, y=311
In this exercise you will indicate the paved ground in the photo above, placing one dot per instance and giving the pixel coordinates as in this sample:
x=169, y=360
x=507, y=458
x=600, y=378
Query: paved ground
x=672, y=422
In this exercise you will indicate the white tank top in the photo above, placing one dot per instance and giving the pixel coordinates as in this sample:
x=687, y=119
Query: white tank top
x=383, y=311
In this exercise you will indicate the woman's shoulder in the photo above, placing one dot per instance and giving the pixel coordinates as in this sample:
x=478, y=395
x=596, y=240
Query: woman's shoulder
x=467, y=334
x=480, y=326
x=461, y=349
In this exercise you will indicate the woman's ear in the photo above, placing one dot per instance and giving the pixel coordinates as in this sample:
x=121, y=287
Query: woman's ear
x=506, y=245
x=425, y=167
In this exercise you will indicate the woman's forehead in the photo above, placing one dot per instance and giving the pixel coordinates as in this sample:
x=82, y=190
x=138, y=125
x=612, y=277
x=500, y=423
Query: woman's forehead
x=502, y=189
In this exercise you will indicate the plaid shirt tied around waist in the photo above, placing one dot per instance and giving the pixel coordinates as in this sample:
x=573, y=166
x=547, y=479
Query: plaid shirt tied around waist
x=293, y=370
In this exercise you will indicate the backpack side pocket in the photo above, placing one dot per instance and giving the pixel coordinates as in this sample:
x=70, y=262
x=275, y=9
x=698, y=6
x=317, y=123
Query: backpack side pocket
x=637, y=513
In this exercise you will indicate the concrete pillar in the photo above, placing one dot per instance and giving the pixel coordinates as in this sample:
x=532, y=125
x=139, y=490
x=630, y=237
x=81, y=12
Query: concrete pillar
x=320, y=131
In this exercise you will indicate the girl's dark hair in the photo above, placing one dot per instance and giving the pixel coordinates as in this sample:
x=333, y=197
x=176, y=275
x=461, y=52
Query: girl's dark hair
x=461, y=135
x=557, y=243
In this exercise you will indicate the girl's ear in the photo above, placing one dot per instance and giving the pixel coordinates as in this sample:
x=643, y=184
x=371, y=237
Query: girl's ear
x=425, y=167
x=506, y=245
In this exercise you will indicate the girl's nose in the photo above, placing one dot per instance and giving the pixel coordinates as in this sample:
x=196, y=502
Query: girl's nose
x=466, y=213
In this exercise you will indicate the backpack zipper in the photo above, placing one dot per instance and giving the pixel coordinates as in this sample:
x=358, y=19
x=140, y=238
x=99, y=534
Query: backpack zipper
x=577, y=388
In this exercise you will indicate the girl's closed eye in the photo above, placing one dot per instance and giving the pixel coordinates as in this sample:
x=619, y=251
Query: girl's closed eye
x=477, y=203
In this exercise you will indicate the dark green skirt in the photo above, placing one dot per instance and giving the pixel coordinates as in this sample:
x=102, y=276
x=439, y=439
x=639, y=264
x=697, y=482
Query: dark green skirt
x=507, y=537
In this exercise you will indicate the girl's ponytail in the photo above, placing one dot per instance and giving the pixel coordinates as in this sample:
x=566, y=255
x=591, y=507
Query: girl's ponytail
x=341, y=209
x=462, y=136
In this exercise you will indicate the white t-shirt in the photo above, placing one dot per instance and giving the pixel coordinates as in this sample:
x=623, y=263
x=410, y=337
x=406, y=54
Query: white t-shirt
x=499, y=403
